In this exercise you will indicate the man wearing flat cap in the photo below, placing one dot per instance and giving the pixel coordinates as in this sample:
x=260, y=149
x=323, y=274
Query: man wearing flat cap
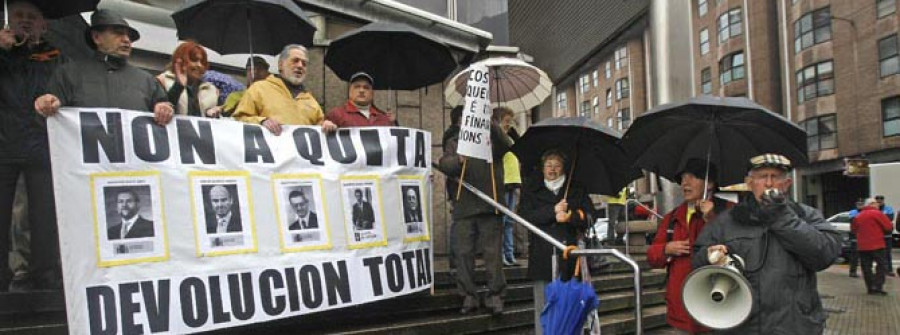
x=359, y=111
x=783, y=245
x=106, y=80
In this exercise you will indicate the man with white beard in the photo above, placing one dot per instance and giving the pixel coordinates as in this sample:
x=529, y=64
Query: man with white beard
x=282, y=99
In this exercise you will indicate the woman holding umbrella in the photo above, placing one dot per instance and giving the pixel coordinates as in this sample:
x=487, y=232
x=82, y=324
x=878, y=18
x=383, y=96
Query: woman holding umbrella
x=676, y=233
x=558, y=207
x=183, y=81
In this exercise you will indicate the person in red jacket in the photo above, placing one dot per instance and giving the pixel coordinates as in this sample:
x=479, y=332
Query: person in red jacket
x=870, y=225
x=360, y=110
x=672, y=249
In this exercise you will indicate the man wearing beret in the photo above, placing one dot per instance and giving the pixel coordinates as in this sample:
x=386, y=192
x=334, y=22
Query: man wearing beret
x=783, y=245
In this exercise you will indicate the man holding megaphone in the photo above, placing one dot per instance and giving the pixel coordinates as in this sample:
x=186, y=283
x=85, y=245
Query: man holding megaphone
x=782, y=244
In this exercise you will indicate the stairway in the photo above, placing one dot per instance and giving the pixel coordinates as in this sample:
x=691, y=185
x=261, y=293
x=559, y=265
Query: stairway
x=421, y=313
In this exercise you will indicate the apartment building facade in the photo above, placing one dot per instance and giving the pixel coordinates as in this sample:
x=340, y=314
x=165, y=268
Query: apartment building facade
x=830, y=66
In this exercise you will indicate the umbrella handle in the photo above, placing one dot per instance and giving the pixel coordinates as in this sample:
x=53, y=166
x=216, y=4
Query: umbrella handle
x=571, y=175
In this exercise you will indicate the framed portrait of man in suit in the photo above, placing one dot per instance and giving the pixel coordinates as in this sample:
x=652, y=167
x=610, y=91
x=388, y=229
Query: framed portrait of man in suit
x=302, y=215
x=128, y=220
x=222, y=208
x=362, y=211
x=413, y=206
x=222, y=212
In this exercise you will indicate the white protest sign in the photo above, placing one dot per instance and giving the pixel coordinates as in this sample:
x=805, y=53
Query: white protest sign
x=229, y=224
x=475, y=131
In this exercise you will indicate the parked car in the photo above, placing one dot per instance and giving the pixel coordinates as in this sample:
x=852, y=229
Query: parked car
x=841, y=221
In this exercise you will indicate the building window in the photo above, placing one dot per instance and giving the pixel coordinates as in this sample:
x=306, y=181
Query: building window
x=815, y=81
x=585, y=83
x=885, y=7
x=624, y=118
x=561, y=103
x=704, y=41
x=585, y=109
x=608, y=97
x=596, y=103
x=621, y=55
x=887, y=56
x=812, y=28
x=622, y=90
x=730, y=24
x=821, y=133
x=706, y=81
x=890, y=115
x=608, y=70
x=702, y=7
x=595, y=79
x=731, y=68
x=610, y=123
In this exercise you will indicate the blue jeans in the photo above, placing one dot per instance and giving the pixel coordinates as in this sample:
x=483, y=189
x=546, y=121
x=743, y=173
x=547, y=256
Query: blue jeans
x=512, y=199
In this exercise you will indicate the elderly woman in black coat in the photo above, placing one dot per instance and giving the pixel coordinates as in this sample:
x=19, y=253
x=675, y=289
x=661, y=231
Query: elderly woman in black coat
x=561, y=210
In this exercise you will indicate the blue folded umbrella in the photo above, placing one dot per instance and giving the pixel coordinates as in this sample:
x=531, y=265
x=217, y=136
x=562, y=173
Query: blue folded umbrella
x=567, y=307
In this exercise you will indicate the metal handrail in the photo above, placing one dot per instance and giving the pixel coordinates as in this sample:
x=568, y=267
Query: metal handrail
x=638, y=290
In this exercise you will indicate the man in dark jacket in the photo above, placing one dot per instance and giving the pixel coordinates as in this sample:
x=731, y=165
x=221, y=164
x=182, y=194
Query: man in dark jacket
x=26, y=62
x=783, y=244
x=107, y=80
x=475, y=221
x=870, y=225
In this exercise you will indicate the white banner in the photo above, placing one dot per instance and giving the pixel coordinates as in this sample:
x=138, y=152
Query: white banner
x=207, y=224
x=475, y=129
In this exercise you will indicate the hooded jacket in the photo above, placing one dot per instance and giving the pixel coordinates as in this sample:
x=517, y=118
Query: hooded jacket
x=679, y=267
x=783, y=246
x=271, y=98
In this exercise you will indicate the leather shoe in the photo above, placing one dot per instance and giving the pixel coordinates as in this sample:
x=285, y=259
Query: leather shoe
x=891, y=274
x=470, y=304
x=878, y=292
x=495, y=303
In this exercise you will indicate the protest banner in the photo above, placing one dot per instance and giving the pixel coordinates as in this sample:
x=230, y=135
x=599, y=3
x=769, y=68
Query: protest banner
x=207, y=224
x=475, y=126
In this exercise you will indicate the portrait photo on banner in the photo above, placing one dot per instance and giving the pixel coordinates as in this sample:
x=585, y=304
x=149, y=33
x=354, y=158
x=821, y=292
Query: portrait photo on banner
x=414, y=209
x=128, y=218
x=222, y=212
x=303, y=221
x=362, y=212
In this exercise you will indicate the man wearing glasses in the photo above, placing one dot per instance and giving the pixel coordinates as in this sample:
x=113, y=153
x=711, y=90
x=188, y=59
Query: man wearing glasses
x=783, y=245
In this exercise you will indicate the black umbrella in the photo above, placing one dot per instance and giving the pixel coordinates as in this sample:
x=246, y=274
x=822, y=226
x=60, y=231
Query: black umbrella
x=728, y=131
x=396, y=55
x=55, y=9
x=597, y=162
x=244, y=26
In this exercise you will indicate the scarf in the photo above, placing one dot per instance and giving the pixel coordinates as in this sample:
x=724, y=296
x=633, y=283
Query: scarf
x=555, y=185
